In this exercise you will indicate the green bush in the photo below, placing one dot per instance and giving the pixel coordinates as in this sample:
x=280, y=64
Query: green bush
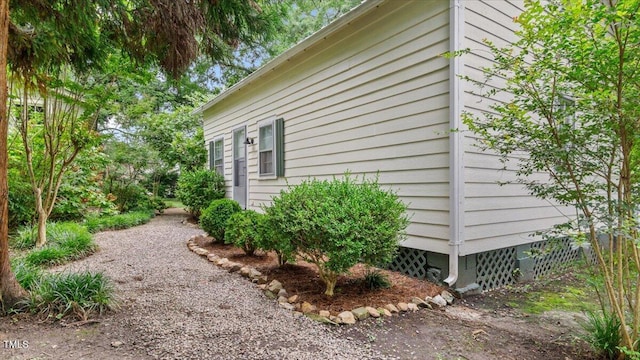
x=158, y=204
x=130, y=197
x=242, y=231
x=270, y=240
x=118, y=222
x=21, y=200
x=196, y=189
x=336, y=224
x=214, y=218
x=75, y=294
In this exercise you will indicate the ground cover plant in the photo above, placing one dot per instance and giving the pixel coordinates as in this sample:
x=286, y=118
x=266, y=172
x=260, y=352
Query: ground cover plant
x=68, y=241
x=76, y=294
x=56, y=295
x=119, y=221
x=337, y=223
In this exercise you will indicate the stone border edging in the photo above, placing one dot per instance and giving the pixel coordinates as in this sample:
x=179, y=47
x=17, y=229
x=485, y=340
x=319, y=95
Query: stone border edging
x=274, y=290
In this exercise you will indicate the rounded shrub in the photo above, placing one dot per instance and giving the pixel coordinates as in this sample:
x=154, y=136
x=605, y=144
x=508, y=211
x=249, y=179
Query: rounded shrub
x=214, y=218
x=337, y=223
x=130, y=197
x=270, y=240
x=196, y=189
x=243, y=231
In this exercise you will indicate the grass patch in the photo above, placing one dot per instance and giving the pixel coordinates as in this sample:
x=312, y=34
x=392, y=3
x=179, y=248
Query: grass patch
x=25, y=238
x=603, y=333
x=570, y=289
x=71, y=294
x=568, y=299
x=118, y=222
x=173, y=203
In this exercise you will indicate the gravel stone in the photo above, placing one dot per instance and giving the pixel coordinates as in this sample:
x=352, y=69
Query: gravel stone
x=185, y=307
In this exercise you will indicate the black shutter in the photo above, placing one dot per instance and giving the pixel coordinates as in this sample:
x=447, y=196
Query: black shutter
x=279, y=144
x=211, y=156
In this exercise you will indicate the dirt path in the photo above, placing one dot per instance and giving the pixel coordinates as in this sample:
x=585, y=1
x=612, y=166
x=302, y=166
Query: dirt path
x=176, y=305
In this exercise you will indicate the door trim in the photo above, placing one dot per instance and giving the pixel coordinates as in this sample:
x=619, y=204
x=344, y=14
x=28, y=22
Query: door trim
x=233, y=164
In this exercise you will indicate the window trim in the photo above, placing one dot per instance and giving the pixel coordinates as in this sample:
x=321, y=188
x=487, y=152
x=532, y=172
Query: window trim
x=277, y=148
x=212, y=163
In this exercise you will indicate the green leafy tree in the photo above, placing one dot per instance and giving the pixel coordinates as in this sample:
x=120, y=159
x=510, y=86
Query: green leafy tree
x=177, y=137
x=54, y=35
x=570, y=110
x=81, y=192
x=336, y=224
x=52, y=137
x=301, y=18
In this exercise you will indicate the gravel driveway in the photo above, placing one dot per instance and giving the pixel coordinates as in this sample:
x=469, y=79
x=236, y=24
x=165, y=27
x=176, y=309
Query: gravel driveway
x=177, y=305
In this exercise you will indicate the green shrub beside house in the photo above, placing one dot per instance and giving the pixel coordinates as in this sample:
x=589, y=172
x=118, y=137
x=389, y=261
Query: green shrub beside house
x=337, y=223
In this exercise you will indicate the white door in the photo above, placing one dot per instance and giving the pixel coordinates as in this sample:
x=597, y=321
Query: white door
x=240, y=167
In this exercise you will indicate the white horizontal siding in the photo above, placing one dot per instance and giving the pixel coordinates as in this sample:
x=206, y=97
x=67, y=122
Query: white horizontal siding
x=371, y=98
x=495, y=216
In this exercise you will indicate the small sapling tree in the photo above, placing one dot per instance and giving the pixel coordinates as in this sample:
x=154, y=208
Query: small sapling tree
x=570, y=104
x=53, y=134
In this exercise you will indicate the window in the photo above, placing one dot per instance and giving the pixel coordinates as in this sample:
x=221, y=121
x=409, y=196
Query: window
x=271, y=148
x=216, y=155
x=565, y=109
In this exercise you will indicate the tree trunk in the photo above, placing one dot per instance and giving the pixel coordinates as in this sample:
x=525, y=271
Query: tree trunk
x=331, y=285
x=329, y=278
x=10, y=289
x=42, y=220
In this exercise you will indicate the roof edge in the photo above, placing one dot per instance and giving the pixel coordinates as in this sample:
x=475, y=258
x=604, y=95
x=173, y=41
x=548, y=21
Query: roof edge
x=339, y=23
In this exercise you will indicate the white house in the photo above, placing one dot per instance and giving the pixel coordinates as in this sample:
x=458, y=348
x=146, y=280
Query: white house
x=371, y=93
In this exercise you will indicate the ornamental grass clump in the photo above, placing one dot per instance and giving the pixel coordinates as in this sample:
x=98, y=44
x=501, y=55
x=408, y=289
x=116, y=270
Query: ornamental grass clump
x=67, y=242
x=337, y=223
x=71, y=294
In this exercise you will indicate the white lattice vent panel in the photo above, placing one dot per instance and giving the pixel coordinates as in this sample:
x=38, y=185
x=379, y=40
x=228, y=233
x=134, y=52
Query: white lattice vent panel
x=412, y=262
x=553, y=256
x=496, y=268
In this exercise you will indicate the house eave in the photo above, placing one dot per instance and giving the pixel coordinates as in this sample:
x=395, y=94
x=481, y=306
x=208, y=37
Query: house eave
x=315, y=38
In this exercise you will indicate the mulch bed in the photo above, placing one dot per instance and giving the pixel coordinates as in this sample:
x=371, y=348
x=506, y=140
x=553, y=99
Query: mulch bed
x=302, y=279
